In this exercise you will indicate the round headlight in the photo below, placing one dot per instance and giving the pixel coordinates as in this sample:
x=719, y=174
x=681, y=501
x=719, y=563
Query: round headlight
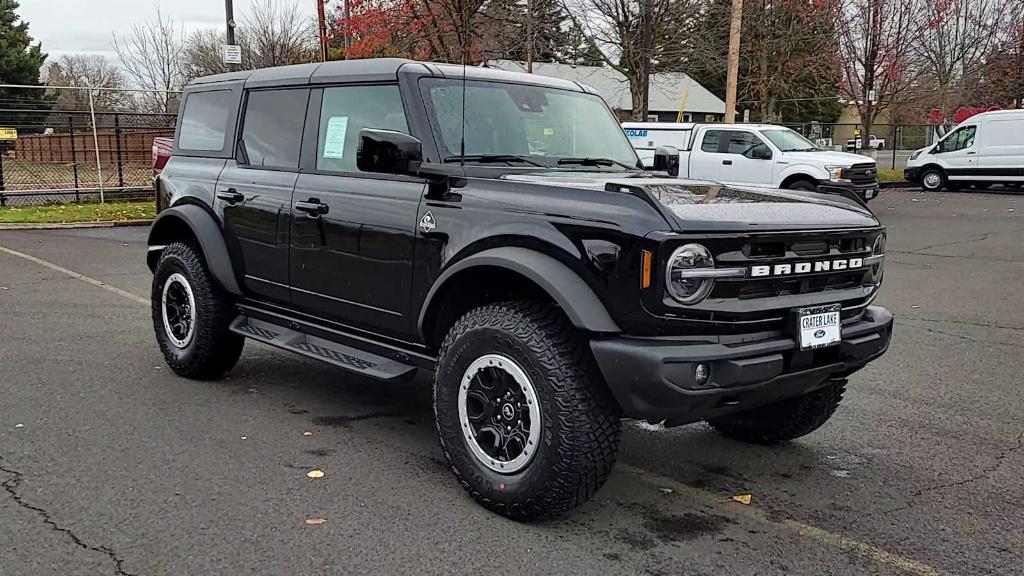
x=685, y=287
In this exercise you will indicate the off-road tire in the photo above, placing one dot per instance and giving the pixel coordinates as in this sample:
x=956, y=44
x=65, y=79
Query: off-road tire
x=580, y=420
x=785, y=420
x=213, y=349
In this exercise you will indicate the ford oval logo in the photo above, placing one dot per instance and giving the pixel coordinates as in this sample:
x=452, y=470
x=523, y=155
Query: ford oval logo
x=819, y=333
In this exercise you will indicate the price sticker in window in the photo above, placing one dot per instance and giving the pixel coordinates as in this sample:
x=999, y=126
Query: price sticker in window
x=334, y=141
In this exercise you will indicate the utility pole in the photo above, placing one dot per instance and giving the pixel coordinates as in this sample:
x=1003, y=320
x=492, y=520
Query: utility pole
x=529, y=36
x=321, y=26
x=347, y=16
x=647, y=47
x=735, y=25
x=229, y=22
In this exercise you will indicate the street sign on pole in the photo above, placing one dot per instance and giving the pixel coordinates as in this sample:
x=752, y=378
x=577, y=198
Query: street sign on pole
x=232, y=54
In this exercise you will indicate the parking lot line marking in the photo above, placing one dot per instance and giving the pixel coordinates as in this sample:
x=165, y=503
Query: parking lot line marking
x=77, y=276
x=801, y=529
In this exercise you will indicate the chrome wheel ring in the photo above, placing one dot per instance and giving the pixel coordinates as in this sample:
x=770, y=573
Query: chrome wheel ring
x=178, y=309
x=499, y=414
x=932, y=180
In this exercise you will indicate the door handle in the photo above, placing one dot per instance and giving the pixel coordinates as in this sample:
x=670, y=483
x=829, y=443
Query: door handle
x=971, y=152
x=231, y=196
x=313, y=208
x=727, y=162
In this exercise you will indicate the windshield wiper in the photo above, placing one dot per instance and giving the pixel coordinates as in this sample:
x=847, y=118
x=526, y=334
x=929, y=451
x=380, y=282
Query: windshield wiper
x=814, y=149
x=488, y=158
x=590, y=161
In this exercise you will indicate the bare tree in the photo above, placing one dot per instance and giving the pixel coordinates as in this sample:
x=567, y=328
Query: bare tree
x=635, y=36
x=85, y=70
x=954, y=39
x=787, y=53
x=275, y=34
x=272, y=34
x=150, y=53
x=874, y=38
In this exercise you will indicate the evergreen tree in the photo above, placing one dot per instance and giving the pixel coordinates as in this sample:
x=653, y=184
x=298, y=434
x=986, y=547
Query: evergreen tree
x=20, y=63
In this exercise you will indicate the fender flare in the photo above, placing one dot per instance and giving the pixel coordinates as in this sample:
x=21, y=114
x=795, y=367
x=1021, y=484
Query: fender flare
x=579, y=302
x=207, y=233
x=807, y=171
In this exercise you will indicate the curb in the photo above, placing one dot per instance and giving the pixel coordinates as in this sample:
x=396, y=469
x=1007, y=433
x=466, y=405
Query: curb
x=72, y=225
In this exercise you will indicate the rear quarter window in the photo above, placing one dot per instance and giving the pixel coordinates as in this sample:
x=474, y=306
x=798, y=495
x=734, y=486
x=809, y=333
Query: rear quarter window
x=204, y=120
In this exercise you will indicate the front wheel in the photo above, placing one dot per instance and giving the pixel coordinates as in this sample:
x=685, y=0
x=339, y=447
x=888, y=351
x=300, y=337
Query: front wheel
x=191, y=315
x=803, y=185
x=785, y=420
x=933, y=179
x=525, y=420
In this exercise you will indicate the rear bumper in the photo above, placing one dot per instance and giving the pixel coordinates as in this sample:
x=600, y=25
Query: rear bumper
x=864, y=192
x=653, y=378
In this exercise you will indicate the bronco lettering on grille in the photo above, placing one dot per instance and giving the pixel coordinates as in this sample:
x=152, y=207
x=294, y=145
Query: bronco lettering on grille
x=806, y=267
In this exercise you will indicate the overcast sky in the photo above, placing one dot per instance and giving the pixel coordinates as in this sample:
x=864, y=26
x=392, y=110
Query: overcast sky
x=65, y=26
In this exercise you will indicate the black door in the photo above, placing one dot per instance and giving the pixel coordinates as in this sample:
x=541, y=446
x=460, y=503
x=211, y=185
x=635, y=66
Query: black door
x=352, y=232
x=254, y=192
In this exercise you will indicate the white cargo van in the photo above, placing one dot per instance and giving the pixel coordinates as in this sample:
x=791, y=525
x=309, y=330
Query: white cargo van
x=983, y=150
x=763, y=155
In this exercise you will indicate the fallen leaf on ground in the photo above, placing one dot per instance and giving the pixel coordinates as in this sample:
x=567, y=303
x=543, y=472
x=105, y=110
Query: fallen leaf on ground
x=307, y=433
x=742, y=499
x=19, y=425
x=666, y=490
x=315, y=521
x=315, y=473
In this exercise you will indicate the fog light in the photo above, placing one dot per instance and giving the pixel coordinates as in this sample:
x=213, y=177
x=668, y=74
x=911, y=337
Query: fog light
x=701, y=374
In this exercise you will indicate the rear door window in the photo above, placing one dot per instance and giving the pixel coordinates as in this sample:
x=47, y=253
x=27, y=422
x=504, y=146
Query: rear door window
x=272, y=128
x=712, y=138
x=204, y=120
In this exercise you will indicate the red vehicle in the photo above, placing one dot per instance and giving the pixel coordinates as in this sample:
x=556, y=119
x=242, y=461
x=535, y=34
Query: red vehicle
x=161, y=154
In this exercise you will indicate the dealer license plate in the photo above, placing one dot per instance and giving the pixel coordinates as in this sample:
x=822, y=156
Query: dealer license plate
x=819, y=326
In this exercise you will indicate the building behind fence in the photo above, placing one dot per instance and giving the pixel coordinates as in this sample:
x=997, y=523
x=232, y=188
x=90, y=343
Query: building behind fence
x=79, y=155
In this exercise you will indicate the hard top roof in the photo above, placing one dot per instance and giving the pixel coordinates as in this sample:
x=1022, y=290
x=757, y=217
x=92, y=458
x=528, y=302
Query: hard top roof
x=373, y=70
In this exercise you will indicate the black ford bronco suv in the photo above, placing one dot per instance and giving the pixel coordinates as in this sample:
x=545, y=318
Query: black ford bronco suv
x=497, y=229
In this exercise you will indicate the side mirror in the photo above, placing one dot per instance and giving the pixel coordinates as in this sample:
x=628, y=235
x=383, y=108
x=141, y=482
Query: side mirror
x=761, y=152
x=666, y=159
x=388, y=152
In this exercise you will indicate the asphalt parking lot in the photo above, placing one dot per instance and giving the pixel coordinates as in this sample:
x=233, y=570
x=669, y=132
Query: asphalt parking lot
x=111, y=465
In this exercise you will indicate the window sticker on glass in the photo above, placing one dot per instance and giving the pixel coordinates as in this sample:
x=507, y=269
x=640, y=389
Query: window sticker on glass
x=334, y=141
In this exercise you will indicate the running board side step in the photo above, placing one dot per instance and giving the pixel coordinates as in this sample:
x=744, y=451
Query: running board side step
x=340, y=355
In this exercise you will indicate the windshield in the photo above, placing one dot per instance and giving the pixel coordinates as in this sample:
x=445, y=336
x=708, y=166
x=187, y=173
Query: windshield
x=521, y=124
x=789, y=141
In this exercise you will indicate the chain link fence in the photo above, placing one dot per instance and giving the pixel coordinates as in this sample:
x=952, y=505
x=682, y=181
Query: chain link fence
x=61, y=154
x=890, y=144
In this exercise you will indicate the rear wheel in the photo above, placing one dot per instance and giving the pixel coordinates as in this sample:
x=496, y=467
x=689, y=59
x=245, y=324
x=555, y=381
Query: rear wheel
x=191, y=315
x=524, y=419
x=785, y=420
x=933, y=179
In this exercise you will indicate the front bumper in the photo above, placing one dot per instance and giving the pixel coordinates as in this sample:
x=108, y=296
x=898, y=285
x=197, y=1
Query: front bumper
x=912, y=175
x=863, y=192
x=653, y=378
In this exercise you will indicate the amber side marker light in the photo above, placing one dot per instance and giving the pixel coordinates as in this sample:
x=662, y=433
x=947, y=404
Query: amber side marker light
x=645, y=269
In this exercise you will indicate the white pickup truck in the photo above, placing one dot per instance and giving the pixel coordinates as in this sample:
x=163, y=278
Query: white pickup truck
x=761, y=155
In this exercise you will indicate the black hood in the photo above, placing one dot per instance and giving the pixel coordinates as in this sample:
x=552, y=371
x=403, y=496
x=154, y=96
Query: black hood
x=691, y=205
